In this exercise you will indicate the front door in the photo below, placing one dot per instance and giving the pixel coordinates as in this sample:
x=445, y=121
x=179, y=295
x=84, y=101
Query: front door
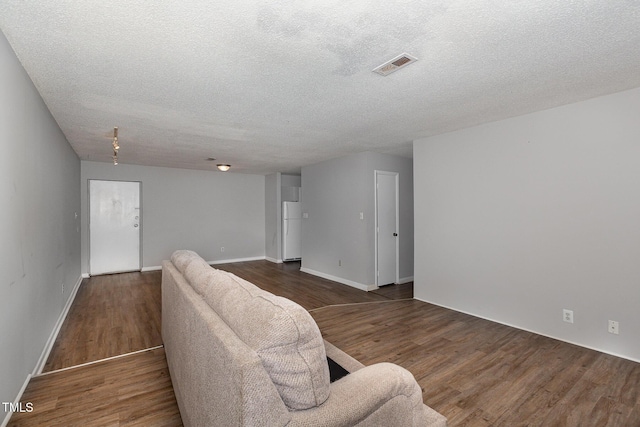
x=114, y=226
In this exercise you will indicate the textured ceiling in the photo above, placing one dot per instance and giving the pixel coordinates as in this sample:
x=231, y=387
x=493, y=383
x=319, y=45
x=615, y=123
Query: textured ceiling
x=274, y=85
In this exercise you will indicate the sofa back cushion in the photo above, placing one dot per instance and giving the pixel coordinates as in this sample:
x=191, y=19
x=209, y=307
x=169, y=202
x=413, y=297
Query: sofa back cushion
x=218, y=380
x=183, y=258
x=281, y=332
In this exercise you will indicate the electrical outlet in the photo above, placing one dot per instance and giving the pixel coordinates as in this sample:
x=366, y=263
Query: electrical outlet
x=567, y=315
x=222, y=249
x=614, y=327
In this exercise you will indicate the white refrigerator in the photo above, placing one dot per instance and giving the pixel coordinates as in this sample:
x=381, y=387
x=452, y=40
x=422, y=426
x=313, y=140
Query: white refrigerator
x=291, y=230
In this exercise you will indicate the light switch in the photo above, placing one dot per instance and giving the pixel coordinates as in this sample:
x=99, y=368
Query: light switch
x=305, y=215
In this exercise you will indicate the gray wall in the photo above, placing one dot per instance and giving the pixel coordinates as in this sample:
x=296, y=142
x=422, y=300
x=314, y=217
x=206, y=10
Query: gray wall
x=518, y=219
x=40, y=188
x=290, y=188
x=188, y=209
x=333, y=195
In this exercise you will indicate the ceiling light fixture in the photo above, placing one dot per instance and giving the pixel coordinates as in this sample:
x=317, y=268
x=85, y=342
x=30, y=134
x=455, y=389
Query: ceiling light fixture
x=115, y=145
x=224, y=168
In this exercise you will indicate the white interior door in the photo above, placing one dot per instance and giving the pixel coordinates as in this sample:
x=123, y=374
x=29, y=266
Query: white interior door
x=386, y=227
x=114, y=226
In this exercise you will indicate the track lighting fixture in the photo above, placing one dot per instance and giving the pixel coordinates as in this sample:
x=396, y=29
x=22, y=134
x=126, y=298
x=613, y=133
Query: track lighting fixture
x=116, y=146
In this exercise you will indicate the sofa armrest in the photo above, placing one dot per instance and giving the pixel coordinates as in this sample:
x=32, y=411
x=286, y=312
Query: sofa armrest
x=342, y=358
x=380, y=394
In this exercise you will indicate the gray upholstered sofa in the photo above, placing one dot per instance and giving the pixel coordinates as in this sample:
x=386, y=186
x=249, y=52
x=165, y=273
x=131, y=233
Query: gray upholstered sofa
x=240, y=356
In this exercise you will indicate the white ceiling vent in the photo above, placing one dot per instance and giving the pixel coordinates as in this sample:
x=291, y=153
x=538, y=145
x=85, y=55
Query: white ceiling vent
x=395, y=64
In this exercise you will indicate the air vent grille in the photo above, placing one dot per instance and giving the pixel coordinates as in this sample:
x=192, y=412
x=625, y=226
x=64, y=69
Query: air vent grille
x=395, y=64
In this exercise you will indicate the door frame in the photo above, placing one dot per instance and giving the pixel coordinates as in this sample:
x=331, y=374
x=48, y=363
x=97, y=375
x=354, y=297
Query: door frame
x=140, y=221
x=397, y=212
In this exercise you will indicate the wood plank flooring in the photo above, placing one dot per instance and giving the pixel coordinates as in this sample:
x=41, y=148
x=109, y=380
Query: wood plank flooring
x=475, y=372
x=134, y=390
x=288, y=281
x=111, y=315
x=480, y=373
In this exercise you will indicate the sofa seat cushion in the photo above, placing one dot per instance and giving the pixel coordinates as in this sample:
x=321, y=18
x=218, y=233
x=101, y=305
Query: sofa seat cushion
x=281, y=332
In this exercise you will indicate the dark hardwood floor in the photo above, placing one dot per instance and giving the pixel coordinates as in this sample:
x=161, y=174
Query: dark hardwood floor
x=133, y=390
x=480, y=373
x=111, y=315
x=288, y=281
x=395, y=292
x=475, y=372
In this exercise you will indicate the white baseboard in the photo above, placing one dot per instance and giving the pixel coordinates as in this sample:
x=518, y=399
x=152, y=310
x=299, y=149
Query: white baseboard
x=220, y=261
x=405, y=280
x=622, y=356
x=47, y=347
x=276, y=261
x=228, y=261
x=348, y=282
x=56, y=329
x=7, y=416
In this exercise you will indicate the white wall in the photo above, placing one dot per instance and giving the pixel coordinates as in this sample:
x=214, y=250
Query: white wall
x=40, y=250
x=334, y=193
x=518, y=219
x=189, y=209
